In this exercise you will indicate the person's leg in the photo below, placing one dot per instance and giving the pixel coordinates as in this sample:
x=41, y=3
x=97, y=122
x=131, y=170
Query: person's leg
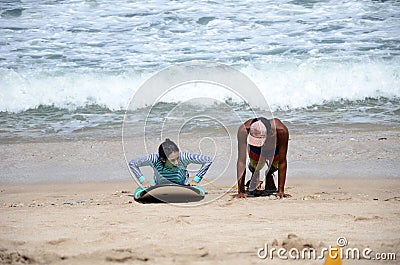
x=269, y=178
x=254, y=182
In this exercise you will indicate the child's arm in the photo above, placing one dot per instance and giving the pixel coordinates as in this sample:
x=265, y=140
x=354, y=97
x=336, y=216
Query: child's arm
x=205, y=161
x=136, y=163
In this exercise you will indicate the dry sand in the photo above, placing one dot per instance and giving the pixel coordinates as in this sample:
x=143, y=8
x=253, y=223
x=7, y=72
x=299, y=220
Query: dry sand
x=353, y=192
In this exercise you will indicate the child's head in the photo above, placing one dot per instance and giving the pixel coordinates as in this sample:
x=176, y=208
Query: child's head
x=169, y=153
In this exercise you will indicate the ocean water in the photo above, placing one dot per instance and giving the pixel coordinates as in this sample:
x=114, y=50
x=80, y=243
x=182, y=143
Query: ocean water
x=69, y=69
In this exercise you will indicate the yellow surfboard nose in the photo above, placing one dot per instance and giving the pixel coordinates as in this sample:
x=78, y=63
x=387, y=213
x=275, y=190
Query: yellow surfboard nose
x=333, y=257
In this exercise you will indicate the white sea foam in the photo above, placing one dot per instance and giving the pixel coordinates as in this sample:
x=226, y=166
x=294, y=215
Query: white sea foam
x=284, y=86
x=28, y=91
x=292, y=86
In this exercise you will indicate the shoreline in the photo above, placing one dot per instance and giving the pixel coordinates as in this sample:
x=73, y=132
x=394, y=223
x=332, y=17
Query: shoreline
x=364, y=154
x=114, y=133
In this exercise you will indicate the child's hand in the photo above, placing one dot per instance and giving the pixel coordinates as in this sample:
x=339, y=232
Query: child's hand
x=146, y=184
x=193, y=183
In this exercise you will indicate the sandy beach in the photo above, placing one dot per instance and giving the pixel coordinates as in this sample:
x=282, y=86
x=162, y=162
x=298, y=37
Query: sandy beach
x=352, y=192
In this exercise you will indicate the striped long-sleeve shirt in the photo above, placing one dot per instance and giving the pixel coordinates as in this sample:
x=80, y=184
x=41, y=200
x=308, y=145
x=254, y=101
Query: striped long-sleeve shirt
x=163, y=173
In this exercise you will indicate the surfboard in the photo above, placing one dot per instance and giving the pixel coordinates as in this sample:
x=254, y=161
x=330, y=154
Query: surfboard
x=169, y=193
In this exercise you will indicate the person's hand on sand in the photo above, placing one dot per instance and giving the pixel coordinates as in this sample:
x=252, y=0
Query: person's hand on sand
x=146, y=184
x=283, y=195
x=193, y=183
x=240, y=195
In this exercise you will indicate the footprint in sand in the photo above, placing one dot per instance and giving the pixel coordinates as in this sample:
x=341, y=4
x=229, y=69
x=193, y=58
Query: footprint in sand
x=57, y=241
x=294, y=241
x=392, y=199
x=362, y=218
x=123, y=255
x=180, y=219
x=11, y=257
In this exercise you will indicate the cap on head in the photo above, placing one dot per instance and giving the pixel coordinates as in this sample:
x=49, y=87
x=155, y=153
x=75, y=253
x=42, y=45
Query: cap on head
x=257, y=134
